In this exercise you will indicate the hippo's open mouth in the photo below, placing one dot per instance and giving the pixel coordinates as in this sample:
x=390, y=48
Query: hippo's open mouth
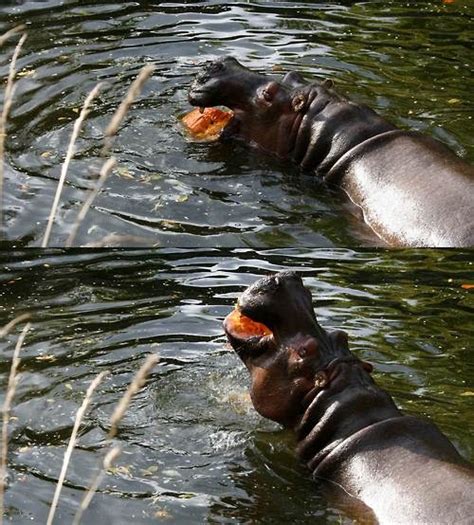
x=245, y=334
x=269, y=314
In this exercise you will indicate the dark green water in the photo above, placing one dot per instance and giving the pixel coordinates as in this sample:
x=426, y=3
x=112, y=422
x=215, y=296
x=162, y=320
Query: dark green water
x=411, y=61
x=194, y=451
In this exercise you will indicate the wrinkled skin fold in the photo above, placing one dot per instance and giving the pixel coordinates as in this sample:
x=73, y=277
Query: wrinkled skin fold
x=411, y=189
x=375, y=462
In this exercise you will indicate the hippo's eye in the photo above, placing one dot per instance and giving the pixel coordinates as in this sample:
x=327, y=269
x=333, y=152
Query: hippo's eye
x=308, y=348
x=268, y=92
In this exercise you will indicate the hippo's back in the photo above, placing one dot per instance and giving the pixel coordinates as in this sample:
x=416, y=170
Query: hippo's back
x=412, y=189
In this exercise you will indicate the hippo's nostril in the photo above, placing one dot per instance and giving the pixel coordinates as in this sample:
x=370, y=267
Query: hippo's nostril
x=214, y=67
x=267, y=96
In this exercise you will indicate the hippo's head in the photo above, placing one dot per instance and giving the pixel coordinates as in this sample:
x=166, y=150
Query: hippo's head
x=264, y=109
x=308, y=123
x=289, y=356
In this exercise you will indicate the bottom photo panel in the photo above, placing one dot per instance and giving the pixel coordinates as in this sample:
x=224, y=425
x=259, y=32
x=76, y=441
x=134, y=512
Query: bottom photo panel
x=237, y=386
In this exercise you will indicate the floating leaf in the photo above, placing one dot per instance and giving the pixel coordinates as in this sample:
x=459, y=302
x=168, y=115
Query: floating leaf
x=149, y=471
x=186, y=495
x=124, y=172
x=120, y=469
x=46, y=357
x=27, y=73
x=453, y=101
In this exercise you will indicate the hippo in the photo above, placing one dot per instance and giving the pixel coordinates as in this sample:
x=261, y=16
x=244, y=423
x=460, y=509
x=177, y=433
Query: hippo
x=412, y=190
x=374, y=462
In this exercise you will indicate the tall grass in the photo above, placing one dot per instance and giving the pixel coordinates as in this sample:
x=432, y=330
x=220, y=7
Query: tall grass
x=108, y=166
x=117, y=416
x=7, y=104
x=72, y=443
x=132, y=94
x=110, y=132
x=69, y=154
x=7, y=404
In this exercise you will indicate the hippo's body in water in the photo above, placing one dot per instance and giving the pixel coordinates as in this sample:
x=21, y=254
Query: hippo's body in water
x=377, y=463
x=412, y=190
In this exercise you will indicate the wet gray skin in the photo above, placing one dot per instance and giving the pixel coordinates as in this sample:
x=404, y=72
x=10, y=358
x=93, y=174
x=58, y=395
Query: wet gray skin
x=371, y=458
x=410, y=189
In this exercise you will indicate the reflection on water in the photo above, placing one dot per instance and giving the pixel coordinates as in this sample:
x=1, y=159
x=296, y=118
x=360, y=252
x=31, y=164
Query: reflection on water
x=193, y=448
x=411, y=61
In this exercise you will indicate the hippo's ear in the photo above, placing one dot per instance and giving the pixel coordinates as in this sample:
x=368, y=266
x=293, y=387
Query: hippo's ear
x=339, y=339
x=327, y=83
x=293, y=80
x=267, y=93
x=299, y=101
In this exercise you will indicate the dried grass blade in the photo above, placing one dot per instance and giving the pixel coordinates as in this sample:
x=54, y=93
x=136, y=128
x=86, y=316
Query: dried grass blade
x=109, y=459
x=104, y=173
x=7, y=103
x=10, y=33
x=72, y=443
x=11, y=388
x=67, y=160
x=133, y=92
x=134, y=387
x=6, y=329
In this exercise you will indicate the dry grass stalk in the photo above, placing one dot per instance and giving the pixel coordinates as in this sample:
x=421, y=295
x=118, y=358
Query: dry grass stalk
x=7, y=103
x=109, y=459
x=67, y=160
x=72, y=443
x=132, y=94
x=104, y=173
x=10, y=33
x=133, y=388
x=6, y=329
x=119, y=412
x=11, y=388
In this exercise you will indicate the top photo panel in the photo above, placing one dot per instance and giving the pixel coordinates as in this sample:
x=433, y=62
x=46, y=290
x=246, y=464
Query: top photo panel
x=245, y=124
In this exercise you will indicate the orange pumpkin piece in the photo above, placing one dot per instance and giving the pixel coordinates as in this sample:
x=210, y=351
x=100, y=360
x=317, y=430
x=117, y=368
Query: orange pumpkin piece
x=206, y=124
x=244, y=328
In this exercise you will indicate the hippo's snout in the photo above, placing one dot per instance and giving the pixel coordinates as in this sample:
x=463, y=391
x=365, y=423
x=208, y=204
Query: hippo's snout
x=280, y=302
x=224, y=82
